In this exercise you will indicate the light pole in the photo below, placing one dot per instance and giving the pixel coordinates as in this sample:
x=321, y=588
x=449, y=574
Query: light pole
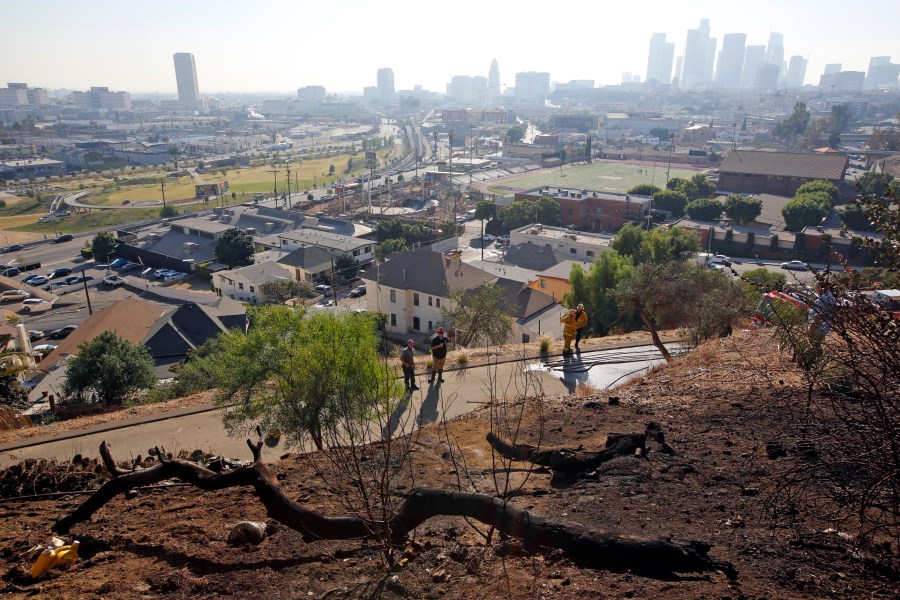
x=274, y=173
x=671, y=147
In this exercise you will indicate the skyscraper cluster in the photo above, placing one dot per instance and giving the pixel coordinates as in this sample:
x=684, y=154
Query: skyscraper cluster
x=735, y=65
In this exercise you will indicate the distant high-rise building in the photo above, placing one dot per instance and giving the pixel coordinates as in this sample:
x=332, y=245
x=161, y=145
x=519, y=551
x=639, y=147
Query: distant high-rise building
x=101, y=98
x=796, y=72
x=186, y=78
x=832, y=68
x=694, y=67
x=15, y=92
x=731, y=60
x=844, y=81
x=386, y=85
x=659, y=60
x=468, y=90
x=626, y=77
x=311, y=93
x=766, y=78
x=679, y=67
x=532, y=86
x=775, y=50
x=494, y=79
x=881, y=73
x=753, y=57
x=710, y=60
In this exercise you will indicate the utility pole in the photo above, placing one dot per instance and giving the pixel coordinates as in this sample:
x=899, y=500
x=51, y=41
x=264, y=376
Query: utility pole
x=162, y=183
x=333, y=283
x=274, y=172
x=289, y=185
x=86, y=293
x=671, y=147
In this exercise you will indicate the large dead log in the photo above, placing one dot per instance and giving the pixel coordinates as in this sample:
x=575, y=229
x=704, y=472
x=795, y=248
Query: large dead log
x=653, y=557
x=568, y=461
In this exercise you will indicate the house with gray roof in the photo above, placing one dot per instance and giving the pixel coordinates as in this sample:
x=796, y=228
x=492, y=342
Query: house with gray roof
x=243, y=284
x=334, y=243
x=309, y=263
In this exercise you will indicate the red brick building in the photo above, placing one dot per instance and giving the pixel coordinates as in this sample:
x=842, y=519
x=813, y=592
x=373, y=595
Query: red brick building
x=590, y=210
x=779, y=173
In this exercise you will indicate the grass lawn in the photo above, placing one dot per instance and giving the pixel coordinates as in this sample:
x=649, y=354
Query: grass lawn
x=95, y=219
x=606, y=176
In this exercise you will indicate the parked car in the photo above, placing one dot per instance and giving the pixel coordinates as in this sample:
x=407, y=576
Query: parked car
x=35, y=334
x=54, y=285
x=29, y=277
x=38, y=280
x=66, y=237
x=10, y=271
x=73, y=279
x=795, y=265
x=12, y=248
x=62, y=331
x=130, y=267
x=173, y=276
x=60, y=272
x=160, y=273
x=113, y=280
x=325, y=304
x=119, y=262
x=15, y=295
x=325, y=290
x=44, y=348
x=358, y=291
x=488, y=238
x=719, y=259
x=35, y=305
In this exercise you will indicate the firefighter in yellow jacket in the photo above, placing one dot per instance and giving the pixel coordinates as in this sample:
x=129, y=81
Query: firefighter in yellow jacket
x=569, y=328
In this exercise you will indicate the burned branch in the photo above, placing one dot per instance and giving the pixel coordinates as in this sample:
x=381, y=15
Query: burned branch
x=590, y=548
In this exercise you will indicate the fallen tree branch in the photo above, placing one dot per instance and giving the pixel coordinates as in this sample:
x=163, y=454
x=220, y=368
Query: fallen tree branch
x=568, y=461
x=661, y=557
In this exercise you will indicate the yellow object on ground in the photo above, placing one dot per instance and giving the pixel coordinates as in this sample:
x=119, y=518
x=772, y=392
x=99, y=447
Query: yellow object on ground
x=52, y=557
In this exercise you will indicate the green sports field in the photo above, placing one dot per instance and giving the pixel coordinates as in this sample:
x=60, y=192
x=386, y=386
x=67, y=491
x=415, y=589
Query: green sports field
x=607, y=176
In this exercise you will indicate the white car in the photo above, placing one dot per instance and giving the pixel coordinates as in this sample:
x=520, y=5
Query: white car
x=113, y=280
x=172, y=276
x=795, y=265
x=44, y=348
x=719, y=259
x=488, y=238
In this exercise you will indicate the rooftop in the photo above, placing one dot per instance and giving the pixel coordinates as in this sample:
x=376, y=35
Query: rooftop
x=785, y=164
x=562, y=233
x=564, y=193
x=325, y=239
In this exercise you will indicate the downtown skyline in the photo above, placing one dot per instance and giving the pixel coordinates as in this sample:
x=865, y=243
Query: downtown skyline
x=239, y=49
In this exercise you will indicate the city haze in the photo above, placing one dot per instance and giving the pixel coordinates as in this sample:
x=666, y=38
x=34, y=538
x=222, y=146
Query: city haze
x=280, y=46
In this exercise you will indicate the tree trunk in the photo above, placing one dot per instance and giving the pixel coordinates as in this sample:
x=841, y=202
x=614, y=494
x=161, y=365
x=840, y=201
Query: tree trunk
x=651, y=326
x=571, y=462
x=652, y=557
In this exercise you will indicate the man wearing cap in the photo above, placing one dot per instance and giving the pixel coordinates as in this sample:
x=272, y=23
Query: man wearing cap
x=409, y=366
x=439, y=345
x=580, y=323
x=568, y=321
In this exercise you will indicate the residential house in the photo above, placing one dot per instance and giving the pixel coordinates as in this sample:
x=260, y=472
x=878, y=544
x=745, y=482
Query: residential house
x=243, y=284
x=334, y=243
x=555, y=280
x=413, y=288
x=309, y=263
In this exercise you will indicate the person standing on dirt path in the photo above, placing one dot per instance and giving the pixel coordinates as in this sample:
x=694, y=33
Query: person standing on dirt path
x=581, y=320
x=568, y=321
x=407, y=360
x=439, y=345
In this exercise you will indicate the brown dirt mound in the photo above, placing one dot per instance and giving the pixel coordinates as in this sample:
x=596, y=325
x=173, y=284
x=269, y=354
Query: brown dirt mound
x=13, y=419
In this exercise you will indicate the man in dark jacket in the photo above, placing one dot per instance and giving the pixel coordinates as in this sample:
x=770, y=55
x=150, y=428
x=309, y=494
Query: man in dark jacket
x=439, y=344
x=407, y=359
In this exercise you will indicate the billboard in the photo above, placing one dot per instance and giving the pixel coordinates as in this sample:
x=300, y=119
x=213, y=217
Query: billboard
x=370, y=160
x=204, y=190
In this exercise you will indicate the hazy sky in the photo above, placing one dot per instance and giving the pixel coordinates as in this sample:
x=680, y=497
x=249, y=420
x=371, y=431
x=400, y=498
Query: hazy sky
x=274, y=45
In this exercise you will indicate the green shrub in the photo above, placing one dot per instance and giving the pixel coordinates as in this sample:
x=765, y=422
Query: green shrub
x=545, y=344
x=462, y=359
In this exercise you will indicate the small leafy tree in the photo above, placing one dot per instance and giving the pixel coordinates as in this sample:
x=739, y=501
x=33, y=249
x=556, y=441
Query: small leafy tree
x=485, y=210
x=103, y=246
x=705, y=209
x=167, y=212
x=805, y=210
x=347, y=268
x=388, y=247
x=644, y=189
x=853, y=217
x=280, y=290
x=673, y=201
x=594, y=289
x=110, y=370
x=742, y=209
x=483, y=315
x=235, y=248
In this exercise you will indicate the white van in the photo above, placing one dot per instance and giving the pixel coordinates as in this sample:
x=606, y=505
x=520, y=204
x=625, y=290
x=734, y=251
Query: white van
x=35, y=305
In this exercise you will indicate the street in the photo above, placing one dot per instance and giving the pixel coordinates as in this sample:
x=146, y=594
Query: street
x=463, y=391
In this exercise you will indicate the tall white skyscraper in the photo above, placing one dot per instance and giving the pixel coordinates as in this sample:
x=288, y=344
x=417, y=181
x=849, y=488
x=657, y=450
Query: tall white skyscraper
x=753, y=57
x=796, y=72
x=881, y=73
x=494, y=79
x=532, y=86
x=694, y=67
x=186, y=78
x=832, y=68
x=775, y=50
x=386, y=84
x=731, y=60
x=659, y=61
